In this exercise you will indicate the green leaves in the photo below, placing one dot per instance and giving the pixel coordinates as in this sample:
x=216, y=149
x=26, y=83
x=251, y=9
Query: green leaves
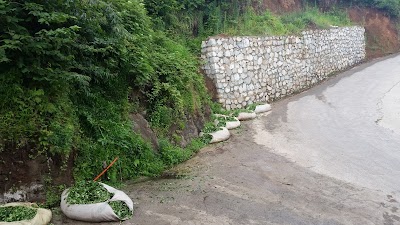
x=121, y=210
x=16, y=213
x=67, y=67
x=391, y=6
x=88, y=192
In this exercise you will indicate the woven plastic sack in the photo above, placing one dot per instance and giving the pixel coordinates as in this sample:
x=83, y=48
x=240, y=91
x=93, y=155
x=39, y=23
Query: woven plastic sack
x=42, y=217
x=246, y=116
x=263, y=108
x=230, y=125
x=97, y=212
x=221, y=135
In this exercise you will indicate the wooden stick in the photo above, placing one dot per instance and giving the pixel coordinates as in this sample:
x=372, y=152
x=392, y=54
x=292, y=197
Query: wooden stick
x=105, y=170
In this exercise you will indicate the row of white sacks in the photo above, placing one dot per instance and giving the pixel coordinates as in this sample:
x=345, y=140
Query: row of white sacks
x=224, y=134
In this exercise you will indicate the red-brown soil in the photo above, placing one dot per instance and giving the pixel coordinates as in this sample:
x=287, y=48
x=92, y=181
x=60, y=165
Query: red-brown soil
x=381, y=32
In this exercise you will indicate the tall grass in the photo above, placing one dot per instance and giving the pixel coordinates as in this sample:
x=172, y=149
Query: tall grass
x=268, y=24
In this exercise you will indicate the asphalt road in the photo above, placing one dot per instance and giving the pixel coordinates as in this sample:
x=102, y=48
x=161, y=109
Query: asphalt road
x=348, y=128
x=330, y=155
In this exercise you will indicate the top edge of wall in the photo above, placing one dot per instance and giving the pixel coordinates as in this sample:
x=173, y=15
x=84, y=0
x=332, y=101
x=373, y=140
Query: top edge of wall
x=305, y=32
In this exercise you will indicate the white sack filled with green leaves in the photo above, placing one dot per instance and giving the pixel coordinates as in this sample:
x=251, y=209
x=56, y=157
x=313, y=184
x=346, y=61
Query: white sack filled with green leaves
x=96, y=202
x=215, y=134
x=220, y=135
x=229, y=122
x=23, y=213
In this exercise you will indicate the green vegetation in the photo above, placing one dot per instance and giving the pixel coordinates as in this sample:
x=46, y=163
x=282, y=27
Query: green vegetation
x=172, y=155
x=236, y=112
x=16, y=213
x=252, y=107
x=90, y=192
x=87, y=192
x=210, y=128
x=190, y=22
x=293, y=23
x=73, y=71
x=392, y=7
x=223, y=119
x=121, y=210
x=53, y=193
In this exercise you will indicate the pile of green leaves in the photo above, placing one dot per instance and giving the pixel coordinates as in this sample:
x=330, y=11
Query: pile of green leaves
x=206, y=138
x=252, y=107
x=16, y=213
x=87, y=192
x=121, y=210
x=90, y=192
x=210, y=128
x=223, y=119
x=235, y=113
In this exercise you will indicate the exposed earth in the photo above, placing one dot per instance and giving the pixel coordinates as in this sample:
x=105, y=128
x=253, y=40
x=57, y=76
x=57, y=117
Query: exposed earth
x=380, y=31
x=329, y=155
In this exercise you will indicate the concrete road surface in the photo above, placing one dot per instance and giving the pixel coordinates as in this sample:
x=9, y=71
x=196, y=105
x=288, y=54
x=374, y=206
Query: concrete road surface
x=330, y=155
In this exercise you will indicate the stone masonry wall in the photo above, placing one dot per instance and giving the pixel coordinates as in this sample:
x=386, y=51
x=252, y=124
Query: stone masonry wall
x=248, y=70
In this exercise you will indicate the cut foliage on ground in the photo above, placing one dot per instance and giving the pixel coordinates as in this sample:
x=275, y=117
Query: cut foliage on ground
x=88, y=192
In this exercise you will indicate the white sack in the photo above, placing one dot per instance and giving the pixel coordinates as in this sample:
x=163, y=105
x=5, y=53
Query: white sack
x=42, y=217
x=262, y=108
x=97, y=212
x=219, y=136
x=246, y=116
x=232, y=124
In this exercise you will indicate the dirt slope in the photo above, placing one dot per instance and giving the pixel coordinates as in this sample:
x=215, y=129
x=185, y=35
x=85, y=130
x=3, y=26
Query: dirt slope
x=381, y=31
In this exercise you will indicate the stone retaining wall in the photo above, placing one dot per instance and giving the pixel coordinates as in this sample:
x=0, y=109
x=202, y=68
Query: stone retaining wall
x=247, y=70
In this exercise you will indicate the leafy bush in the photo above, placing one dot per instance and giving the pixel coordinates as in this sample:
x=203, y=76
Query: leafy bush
x=196, y=20
x=172, y=155
x=312, y=16
x=68, y=68
x=390, y=6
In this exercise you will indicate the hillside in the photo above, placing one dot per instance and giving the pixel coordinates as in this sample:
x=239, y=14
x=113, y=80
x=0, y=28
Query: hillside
x=84, y=83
